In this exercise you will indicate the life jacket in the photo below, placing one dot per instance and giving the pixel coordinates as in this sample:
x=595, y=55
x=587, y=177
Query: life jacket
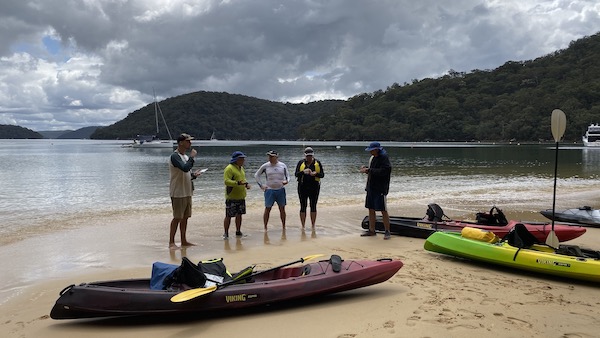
x=317, y=168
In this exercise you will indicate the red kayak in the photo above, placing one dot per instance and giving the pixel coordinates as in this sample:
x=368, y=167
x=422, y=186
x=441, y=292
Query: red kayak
x=134, y=296
x=422, y=227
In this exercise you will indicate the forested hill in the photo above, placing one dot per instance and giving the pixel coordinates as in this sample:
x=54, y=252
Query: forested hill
x=513, y=101
x=16, y=132
x=229, y=116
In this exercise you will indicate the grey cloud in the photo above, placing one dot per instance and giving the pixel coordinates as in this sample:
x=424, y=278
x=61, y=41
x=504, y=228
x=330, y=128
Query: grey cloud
x=278, y=50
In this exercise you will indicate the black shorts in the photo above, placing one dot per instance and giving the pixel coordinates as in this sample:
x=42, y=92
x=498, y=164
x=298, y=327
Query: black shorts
x=376, y=201
x=235, y=207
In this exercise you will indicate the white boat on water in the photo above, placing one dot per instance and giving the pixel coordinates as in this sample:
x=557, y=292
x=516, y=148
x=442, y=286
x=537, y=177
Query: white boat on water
x=152, y=141
x=592, y=136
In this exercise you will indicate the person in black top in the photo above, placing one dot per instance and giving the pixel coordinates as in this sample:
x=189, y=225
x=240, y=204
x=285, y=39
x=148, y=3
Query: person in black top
x=379, y=174
x=309, y=172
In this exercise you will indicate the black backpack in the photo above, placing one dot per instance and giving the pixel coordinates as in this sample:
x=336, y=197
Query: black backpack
x=187, y=273
x=497, y=218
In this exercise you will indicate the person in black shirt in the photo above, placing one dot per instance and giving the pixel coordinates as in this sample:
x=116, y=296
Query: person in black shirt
x=309, y=172
x=379, y=174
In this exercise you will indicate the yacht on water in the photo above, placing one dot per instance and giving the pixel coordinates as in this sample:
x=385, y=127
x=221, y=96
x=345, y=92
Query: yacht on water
x=153, y=141
x=592, y=136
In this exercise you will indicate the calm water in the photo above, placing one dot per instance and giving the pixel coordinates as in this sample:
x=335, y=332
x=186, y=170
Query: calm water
x=46, y=183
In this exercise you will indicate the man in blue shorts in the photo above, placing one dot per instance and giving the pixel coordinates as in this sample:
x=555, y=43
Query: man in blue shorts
x=276, y=177
x=379, y=174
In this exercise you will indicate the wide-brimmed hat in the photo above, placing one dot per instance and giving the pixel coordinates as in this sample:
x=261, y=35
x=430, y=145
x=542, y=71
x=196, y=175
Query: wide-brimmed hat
x=373, y=146
x=272, y=153
x=309, y=151
x=184, y=137
x=236, y=155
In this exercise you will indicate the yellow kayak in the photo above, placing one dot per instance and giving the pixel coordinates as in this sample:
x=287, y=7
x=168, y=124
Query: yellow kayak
x=567, y=261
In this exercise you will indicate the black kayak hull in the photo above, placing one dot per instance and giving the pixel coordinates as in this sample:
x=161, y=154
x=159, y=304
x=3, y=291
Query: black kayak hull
x=422, y=228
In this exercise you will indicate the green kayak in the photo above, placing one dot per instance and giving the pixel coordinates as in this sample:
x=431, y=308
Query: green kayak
x=566, y=261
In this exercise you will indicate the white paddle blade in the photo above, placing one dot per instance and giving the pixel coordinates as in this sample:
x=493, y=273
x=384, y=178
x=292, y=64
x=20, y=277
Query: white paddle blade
x=558, y=124
x=552, y=240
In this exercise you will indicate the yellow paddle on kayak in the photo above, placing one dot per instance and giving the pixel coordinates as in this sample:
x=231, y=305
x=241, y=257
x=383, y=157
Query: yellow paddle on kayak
x=193, y=293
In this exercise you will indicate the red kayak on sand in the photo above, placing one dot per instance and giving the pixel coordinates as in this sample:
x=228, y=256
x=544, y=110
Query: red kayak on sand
x=422, y=227
x=134, y=296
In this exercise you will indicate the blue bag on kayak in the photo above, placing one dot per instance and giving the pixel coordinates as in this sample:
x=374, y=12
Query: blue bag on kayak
x=160, y=271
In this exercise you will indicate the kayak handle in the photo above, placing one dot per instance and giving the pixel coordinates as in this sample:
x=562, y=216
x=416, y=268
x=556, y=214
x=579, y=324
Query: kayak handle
x=66, y=289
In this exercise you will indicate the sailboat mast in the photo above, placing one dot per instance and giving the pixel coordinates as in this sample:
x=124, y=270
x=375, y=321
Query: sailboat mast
x=155, y=111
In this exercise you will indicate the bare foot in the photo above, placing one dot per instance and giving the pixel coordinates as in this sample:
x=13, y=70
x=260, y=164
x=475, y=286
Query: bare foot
x=173, y=246
x=187, y=244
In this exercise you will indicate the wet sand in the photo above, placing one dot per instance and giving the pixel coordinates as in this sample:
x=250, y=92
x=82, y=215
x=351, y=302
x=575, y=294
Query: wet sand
x=431, y=296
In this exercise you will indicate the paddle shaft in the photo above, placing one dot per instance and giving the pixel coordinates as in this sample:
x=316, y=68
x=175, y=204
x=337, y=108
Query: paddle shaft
x=233, y=281
x=554, y=194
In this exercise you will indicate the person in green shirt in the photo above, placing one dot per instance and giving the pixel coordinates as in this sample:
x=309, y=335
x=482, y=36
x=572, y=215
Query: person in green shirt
x=235, y=193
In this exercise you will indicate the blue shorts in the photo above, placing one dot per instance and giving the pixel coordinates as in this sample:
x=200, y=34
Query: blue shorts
x=275, y=195
x=375, y=201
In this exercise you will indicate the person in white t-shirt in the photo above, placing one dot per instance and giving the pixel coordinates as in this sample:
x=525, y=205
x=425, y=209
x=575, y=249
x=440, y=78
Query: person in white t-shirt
x=276, y=177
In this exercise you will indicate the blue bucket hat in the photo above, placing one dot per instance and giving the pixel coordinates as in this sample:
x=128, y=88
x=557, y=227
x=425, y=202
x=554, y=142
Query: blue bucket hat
x=373, y=146
x=236, y=155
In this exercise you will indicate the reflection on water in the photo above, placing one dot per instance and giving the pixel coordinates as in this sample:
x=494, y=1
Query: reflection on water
x=238, y=245
x=73, y=182
x=591, y=159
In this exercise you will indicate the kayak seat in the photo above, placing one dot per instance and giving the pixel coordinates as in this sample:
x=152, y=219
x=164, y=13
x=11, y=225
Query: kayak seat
x=336, y=263
x=434, y=213
x=520, y=237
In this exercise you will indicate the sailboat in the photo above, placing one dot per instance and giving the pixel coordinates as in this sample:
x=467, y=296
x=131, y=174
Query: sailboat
x=213, y=137
x=152, y=141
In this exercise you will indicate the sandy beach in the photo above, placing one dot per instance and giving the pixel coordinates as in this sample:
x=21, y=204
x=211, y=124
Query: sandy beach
x=431, y=296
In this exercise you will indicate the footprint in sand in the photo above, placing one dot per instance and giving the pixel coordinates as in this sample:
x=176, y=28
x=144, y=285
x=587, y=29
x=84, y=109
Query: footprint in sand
x=575, y=335
x=413, y=320
x=518, y=322
x=347, y=335
x=488, y=301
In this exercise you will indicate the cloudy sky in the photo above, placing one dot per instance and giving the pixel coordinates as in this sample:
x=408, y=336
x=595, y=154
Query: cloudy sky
x=67, y=64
